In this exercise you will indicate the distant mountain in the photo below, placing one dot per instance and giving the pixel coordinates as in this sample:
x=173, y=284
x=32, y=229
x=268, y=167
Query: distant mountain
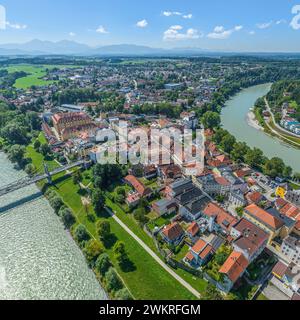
x=66, y=47
x=38, y=47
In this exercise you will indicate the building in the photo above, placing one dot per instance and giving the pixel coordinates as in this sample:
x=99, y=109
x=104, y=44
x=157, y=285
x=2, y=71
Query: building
x=178, y=187
x=139, y=187
x=218, y=219
x=233, y=269
x=191, y=203
x=193, y=230
x=69, y=125
x=290, y=248
x=199, y=254
x=237, y=199
x=249, y=239
x=286, y=278
x=271, y=221
x=173, y=233
x=164, y=207
x=133, y=199
x=71, y=108
x=173, y=86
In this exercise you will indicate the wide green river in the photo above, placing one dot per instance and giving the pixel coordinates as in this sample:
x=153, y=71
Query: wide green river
x=38, y=258
x=234, y=119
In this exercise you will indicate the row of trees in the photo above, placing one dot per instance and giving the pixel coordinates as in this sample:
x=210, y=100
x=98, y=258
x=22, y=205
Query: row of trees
x=241, y=152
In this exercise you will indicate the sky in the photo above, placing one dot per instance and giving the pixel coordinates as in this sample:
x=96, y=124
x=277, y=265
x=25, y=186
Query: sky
x=231, y=25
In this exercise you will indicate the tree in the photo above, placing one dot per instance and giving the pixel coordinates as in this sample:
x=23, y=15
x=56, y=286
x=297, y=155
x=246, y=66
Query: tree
x=120, y=253
x=274, y=167
x=92, y=251
x=228, y=142
x=239, y=151
x=15, y=133
x=211, y=120
x=56, y=203
x=103, y=263
x=103, y=229
x=113, y=282
x=37, y=144
x=77, y=177
x=45, y=149
x=33, y=120
x=98, y=201
x=123, y=294
x=254, y=158
x=211, y=293
x=16, y=154
x=67, y=217
x=81, y=234
x=30, y=169
x=140, y=215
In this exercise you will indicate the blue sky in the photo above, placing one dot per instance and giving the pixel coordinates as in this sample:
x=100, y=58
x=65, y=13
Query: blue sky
x=237, y=25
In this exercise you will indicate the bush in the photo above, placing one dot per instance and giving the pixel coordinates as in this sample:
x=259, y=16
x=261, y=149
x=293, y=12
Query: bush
x=113, y=282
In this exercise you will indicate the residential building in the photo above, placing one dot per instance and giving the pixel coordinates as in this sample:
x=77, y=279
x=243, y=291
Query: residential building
x=199, y=254
x=193, y=230
x=237, y=199
x=290, y=248
x=164, y=206
x=139, y=187
x=249, y=239
x=233, y=269
x=271, y=221
x=218, y=219
x=173, y=233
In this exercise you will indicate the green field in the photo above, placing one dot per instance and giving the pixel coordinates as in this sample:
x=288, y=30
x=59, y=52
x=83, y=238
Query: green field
x=35, y=74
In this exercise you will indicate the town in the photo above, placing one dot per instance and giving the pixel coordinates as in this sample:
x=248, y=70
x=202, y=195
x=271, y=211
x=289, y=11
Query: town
x=231, y=225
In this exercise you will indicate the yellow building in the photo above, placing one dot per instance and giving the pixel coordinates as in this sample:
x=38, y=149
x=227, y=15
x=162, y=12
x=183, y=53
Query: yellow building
x=280, y=192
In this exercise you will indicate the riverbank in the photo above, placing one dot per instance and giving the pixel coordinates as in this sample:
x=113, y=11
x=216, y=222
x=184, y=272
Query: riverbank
x=234, y=118
x=253, y=122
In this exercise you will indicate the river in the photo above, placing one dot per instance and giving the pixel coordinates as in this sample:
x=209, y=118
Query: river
x=38, y=258
x=234, y=119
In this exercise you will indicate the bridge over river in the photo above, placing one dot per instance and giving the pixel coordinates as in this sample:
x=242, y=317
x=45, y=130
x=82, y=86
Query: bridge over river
x=21, y=183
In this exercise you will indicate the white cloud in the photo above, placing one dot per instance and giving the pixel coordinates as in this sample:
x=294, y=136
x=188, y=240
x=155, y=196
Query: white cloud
x=264, y=25
x=252, y=32
x=187, y=16
x=142, y=23
x=282, y=21
x=16, y=26
x=171, y=13
x=221, y=33
x=72, y=34
x=173, y=33
x=295, y=23
x=177, y=13
x=102, y=30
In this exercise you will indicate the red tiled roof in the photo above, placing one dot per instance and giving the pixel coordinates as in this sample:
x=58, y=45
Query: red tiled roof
x=193, y=229
x=173, y=231
x=189, y=256
x=213, y=210
x=138, y=186
x=207, y=250
x=263, y=216
x=254, y=197
x=290, y=211
x=234, y=266
x=199, y=246
x=280, y=269
x=280, y=202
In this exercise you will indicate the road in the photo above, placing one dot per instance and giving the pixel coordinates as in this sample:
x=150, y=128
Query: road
x=278, y=126
x=155, y=257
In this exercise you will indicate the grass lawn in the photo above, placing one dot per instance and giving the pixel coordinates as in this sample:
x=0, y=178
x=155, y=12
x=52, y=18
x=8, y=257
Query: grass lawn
x=182, y=253
x=147, y=279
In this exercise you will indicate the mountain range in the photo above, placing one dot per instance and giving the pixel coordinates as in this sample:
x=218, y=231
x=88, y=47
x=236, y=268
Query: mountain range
x=66, y=47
